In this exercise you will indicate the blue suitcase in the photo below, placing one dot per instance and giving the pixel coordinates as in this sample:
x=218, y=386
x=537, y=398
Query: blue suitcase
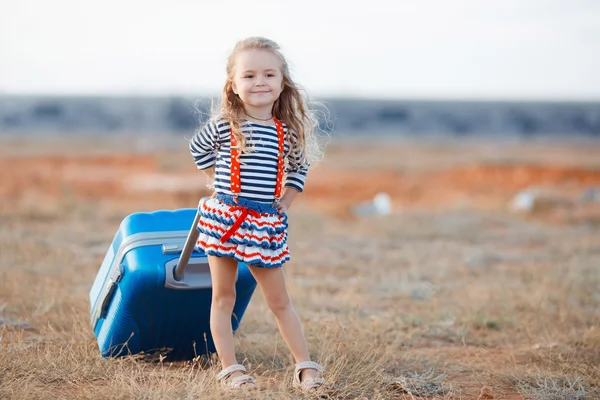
x=153, y=290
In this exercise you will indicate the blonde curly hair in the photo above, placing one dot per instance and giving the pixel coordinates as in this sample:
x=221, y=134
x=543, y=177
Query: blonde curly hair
x=291, y=107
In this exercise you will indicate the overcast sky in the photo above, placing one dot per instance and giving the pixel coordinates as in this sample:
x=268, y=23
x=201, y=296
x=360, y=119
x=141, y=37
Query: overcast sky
x=485, y=49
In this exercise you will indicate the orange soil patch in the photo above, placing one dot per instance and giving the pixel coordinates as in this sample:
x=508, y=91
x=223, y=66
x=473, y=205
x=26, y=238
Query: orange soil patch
x=487, y=186
x=334, y=191
x=85, y=177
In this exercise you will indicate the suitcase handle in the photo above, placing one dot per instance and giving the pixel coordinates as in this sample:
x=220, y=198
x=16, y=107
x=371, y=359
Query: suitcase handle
x=190, y=243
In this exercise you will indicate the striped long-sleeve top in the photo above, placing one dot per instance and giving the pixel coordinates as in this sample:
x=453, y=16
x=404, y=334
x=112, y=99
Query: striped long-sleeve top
x=258, y=168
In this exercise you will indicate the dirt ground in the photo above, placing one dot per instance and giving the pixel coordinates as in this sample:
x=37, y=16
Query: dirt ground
x=454, y=294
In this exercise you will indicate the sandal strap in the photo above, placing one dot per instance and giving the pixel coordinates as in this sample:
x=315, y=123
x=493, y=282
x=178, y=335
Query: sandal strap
x=308, y=365
x=230, y=370
x=312, y=383
x=238, y=381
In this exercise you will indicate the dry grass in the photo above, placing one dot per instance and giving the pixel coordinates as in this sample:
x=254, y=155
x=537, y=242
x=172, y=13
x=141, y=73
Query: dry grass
x=422, y=384
x=549, y=388
x=436, y=304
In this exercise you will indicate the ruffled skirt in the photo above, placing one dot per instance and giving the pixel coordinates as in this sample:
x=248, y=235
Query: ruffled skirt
x=248, y=231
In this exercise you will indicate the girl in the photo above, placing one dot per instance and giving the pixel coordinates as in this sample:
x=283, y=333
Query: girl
x=259, y=143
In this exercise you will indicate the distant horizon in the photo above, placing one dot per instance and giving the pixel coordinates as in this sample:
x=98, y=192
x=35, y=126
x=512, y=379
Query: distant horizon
x=352, y=115
x=347, y=97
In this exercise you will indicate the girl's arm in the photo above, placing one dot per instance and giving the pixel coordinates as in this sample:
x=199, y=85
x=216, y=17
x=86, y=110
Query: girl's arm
x=296, y=171
x=287, y=198
x=203, y=145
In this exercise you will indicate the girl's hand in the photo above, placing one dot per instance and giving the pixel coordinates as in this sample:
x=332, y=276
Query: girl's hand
x=286, y=200
x=283, y=207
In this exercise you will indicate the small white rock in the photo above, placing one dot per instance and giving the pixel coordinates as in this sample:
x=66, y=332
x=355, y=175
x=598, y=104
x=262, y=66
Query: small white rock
x=380, y=205
x=524, y=201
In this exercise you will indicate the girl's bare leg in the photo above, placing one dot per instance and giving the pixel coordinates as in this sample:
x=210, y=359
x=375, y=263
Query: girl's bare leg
x=223, y=271
x=272, y=285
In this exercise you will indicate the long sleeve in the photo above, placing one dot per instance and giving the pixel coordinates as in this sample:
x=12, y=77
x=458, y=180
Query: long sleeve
x=296, y=170
x=203, y=145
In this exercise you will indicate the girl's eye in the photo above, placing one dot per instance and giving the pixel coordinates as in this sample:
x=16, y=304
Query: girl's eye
x=270, y=75
x=249, y=76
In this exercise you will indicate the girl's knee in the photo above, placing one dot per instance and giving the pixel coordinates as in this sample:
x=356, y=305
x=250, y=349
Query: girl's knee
x=224, y=301
x=279, y=305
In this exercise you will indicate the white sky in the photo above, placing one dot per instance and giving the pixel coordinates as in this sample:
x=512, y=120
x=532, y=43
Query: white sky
x=515, y=49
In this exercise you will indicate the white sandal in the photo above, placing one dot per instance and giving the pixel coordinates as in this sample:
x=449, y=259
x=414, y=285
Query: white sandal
x=239, y=382
x=309, y=385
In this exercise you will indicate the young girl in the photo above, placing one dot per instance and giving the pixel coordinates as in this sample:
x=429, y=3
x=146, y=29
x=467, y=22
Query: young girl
x=258, y=142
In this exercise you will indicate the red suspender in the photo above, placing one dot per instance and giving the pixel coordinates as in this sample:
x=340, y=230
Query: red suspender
x=281, y=140
x=235, y=185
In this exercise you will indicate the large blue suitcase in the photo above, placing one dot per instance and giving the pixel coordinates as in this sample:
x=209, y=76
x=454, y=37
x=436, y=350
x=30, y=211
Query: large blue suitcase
x=153, y=290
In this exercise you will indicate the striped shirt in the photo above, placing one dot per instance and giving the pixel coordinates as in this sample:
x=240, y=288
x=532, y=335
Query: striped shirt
x=258, y=167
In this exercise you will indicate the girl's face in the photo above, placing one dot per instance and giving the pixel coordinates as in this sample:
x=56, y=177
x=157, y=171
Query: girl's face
x=258, y=79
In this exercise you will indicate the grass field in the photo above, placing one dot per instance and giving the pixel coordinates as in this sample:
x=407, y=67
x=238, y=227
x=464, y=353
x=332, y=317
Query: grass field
x=451, y=296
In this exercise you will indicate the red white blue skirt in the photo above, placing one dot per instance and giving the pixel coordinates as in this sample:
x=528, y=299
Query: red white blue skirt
x=249, y=231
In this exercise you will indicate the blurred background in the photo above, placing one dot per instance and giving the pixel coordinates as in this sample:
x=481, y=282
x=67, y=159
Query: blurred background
x=450, y=83
x=462, y=68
